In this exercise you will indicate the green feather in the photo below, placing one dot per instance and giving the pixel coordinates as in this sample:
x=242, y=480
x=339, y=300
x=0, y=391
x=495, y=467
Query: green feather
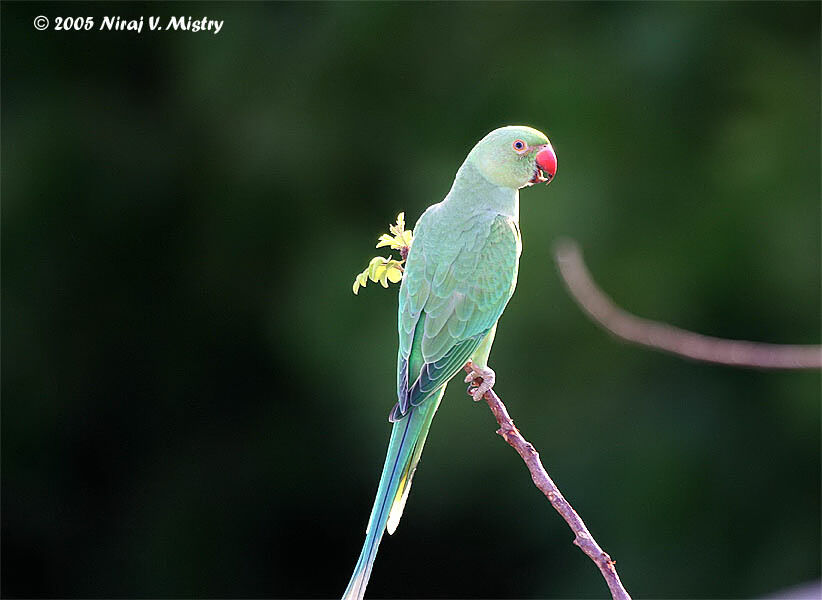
x=460, y=273
x=404, y=448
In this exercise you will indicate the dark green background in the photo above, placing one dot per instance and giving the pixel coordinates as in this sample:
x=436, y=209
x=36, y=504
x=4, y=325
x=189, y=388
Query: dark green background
x=194, y=403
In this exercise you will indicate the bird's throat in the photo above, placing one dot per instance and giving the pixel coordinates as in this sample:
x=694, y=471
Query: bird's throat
x=471, y=191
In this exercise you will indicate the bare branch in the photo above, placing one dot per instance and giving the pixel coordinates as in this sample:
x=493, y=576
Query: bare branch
x=582, y=537
x=672, y=339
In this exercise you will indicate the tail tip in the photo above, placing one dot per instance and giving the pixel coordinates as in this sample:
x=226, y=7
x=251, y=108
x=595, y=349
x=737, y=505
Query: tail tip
x=356, y=587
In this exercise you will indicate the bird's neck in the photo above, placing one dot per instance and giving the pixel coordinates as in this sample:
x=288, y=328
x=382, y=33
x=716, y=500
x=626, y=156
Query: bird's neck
x=471, y=192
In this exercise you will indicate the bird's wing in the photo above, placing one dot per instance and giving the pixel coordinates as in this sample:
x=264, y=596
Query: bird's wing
x=451, y=296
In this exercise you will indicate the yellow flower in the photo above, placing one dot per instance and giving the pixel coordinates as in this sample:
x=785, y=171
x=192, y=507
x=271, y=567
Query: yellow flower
x=402, y=238
x=385, y=270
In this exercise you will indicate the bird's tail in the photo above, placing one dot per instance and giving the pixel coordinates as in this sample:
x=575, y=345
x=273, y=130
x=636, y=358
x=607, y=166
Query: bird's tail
x=404, y=449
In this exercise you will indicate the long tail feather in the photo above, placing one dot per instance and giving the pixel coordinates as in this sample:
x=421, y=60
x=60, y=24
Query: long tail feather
x=404, y=449
x=408, y=475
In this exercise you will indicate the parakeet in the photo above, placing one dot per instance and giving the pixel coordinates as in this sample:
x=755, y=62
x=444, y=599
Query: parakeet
x=460, y=273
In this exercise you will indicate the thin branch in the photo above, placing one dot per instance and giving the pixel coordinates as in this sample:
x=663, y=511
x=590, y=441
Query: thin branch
x=672, y=339
x=583, y=538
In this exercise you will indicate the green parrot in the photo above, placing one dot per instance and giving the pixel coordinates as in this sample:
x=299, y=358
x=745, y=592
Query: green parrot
x=459, y=275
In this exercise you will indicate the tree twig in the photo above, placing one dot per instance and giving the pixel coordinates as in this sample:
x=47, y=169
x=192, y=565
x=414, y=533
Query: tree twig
x=582, y=537
x=672, y=339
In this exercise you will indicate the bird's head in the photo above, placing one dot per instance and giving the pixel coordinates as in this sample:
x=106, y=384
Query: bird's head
x=515, y=157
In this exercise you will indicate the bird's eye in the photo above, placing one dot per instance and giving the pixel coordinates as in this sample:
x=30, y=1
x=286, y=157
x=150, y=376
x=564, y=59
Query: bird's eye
x=519, y=146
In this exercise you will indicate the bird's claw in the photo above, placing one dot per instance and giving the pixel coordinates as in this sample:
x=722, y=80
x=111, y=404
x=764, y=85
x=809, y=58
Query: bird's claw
x=481, y=380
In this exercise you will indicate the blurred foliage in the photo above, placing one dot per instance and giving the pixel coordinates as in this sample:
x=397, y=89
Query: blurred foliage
x=184, y=407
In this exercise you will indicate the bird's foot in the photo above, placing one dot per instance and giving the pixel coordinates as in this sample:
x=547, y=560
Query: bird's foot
x=481, y=380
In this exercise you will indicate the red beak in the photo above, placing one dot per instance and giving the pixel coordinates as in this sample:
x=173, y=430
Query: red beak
x=547, y=161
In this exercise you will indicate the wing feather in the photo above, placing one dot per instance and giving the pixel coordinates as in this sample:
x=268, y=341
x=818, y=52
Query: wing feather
x=460, y=281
